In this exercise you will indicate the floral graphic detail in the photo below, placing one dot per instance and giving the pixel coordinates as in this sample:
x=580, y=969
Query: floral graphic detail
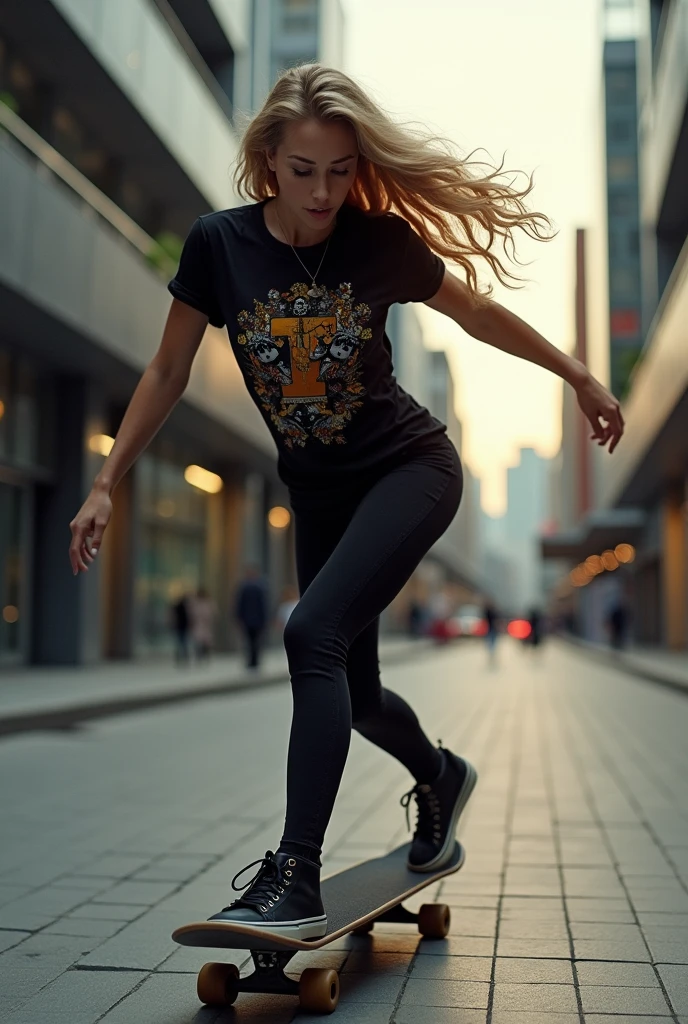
x=303, y=356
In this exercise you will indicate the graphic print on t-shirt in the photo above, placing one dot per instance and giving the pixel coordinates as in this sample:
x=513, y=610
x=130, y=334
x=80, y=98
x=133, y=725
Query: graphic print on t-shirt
x=303, y=349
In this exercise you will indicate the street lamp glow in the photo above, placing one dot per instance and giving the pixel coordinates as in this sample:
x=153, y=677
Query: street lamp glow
x=203, y=479
x=610, y=561
x=279, y=517
x=624, y=552
x=593, y=565
x=101, y=444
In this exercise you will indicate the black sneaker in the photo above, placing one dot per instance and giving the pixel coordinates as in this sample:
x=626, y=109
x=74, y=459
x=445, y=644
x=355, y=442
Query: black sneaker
x=283, y=896
x=439, y=805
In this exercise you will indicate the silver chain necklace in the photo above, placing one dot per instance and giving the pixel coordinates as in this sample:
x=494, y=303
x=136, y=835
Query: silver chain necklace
x=313, y=290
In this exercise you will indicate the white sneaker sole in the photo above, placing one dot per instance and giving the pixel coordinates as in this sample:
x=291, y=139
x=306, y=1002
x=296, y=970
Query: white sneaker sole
x=307, y=928
x=445, y=854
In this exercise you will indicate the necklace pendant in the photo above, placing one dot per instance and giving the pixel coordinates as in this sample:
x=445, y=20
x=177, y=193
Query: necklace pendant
x=314, y=292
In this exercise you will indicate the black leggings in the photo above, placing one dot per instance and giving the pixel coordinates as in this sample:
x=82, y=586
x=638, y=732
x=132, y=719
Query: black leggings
x=353, y=556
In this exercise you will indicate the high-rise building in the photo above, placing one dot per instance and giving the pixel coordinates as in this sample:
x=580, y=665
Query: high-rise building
x=641, y=491
x=623, y=210
x=526, y=515
x=290, y=32
x=426, y=375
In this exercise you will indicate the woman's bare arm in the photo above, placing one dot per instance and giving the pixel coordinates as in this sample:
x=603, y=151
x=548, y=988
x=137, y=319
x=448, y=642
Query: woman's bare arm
x=490, y=322
x=160, y=388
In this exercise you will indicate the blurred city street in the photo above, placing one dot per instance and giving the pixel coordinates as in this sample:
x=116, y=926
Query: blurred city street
x=572, y=905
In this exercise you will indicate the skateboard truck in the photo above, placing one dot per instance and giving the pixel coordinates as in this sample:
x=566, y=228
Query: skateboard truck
x=355, y=899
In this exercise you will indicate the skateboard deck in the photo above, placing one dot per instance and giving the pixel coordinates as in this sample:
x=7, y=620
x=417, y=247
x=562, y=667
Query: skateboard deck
x=352, y=898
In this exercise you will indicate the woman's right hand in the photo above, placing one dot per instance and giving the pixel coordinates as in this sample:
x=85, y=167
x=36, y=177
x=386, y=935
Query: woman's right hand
x=87, y=529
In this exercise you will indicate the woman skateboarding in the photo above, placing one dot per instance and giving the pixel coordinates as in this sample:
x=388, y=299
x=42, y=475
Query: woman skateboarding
x=350, y=213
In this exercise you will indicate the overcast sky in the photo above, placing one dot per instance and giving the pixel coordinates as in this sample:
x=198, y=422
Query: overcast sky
x=515, y=76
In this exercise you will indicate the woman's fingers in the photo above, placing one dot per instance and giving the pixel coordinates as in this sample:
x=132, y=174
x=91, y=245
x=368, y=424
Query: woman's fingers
x=78, y=553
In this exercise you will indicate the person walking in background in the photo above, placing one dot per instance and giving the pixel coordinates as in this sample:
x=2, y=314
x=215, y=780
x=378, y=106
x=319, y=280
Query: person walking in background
x=251, y=611
x=350, y=212
x=491, y=628
x=617, y=623
x=536, y=629
x=202, y=615
x=180, y=625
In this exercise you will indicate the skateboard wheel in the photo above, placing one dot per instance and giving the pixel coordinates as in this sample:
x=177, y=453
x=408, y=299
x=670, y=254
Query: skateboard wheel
x=319, y=990
x=364, y=929
x=217, y=984
x=433, y=920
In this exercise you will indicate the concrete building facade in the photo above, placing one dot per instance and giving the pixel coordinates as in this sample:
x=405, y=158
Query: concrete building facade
x=641, y=492
x=106, y=157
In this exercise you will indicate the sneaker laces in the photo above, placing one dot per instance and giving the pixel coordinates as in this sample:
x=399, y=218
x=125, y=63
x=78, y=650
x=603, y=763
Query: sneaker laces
x=427, y=810
x=265, y=888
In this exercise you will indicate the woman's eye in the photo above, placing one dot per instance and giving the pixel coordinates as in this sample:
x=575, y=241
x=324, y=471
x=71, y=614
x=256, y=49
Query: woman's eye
x=306, y=174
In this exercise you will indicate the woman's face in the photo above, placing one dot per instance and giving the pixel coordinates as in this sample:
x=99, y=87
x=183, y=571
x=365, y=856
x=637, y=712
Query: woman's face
x=315, y=165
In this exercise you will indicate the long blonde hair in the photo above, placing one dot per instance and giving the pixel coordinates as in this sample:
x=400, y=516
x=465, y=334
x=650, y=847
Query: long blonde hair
x=458, y=206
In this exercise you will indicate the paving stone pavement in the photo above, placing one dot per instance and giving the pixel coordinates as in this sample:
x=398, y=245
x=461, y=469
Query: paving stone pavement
x=572, y=906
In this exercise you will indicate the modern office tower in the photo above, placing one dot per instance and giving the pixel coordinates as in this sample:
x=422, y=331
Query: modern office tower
x=623, y=210
x=290, y=32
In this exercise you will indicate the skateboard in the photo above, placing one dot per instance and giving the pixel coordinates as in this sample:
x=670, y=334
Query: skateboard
x=354, y=900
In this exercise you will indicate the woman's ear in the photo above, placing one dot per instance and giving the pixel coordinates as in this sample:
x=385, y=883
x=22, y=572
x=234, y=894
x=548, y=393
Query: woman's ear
x=270, y=159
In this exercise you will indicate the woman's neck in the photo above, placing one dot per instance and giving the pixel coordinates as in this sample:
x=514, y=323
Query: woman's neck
x=287, y=228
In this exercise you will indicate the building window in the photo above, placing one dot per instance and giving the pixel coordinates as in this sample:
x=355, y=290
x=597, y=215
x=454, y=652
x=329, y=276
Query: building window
x=620, y=86
x=172, y=547
x=299, y=17
x=621, y=168
x=27, y=411
x=625, y=323
x=623, y=282
x=620, y=129
x=623, y=204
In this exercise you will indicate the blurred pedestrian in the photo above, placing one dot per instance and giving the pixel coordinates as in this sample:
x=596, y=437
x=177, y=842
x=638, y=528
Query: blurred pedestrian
x=349, y=212
x=415, y=617
x=202, y=615
x=534, y=638
x=251, y=610
x=180, y=626
x=491, y=619
x=617, y=622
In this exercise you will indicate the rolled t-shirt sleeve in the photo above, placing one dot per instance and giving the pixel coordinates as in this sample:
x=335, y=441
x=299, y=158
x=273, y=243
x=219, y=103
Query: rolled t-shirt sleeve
x=193, y=282
x=421, y=271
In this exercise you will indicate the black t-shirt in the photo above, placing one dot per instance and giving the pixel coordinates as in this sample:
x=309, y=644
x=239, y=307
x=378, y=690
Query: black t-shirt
x=318, y=366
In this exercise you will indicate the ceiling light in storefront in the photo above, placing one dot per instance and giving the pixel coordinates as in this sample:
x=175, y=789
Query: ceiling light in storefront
x=609, y=561
x=101, y=443
x=624, y=552
x=203, y=479
x=579, y=577
x=10, y=613
x=2, y=409
x=279, y=517
x=593, y=565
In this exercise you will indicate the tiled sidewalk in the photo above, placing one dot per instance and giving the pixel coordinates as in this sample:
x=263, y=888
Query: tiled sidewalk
x=572, y=906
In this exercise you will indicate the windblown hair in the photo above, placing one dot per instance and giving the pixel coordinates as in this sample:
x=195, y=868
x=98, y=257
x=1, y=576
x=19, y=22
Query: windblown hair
x=459, y=207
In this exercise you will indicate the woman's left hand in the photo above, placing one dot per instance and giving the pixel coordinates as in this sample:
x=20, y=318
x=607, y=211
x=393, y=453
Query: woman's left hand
x=602, y=410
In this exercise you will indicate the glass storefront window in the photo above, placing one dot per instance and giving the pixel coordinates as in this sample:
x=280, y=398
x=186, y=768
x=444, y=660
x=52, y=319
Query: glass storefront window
x=4, y=402
x=27, y=411
x=172, y=546
x=11, y=499
x=170, y=564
